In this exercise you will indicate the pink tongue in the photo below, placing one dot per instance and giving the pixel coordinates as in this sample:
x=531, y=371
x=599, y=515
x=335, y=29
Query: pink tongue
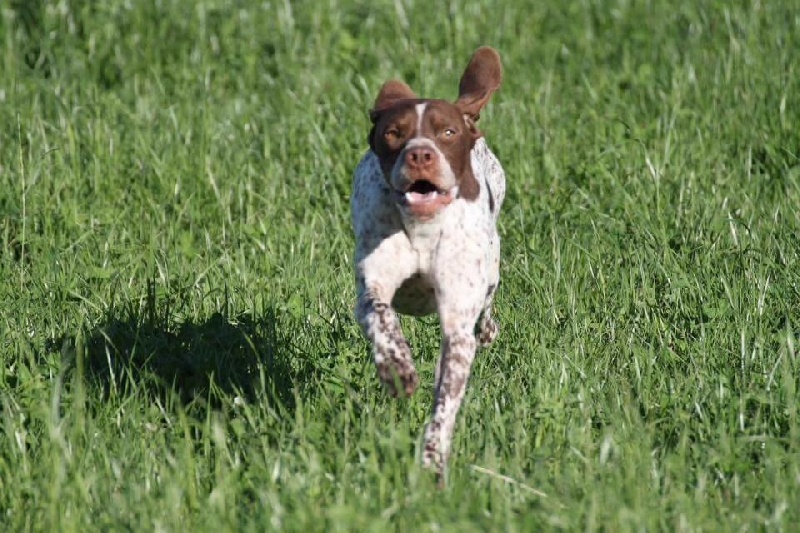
x=419, y=198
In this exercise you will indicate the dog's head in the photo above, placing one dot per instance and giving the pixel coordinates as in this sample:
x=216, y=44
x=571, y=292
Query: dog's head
x=424, y=145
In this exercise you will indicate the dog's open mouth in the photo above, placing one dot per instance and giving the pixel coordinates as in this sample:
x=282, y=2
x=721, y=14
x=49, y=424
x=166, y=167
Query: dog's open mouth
x=423, y=187
x=424, y=199
x=422, y=191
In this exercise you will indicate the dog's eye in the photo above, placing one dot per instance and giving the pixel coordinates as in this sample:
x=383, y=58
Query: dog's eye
x=392, y=133
x=448, y=132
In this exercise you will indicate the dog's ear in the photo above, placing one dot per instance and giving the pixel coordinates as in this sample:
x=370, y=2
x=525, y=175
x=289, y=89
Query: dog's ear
x=480, y=80
x=392, y=92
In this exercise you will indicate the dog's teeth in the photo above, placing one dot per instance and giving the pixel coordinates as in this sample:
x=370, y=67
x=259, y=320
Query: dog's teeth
x=417, y=197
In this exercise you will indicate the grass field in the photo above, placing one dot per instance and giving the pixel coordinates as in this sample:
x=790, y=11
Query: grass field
x=176, y=333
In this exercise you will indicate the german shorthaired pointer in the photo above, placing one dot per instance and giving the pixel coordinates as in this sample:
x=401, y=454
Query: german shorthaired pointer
x=425, y=202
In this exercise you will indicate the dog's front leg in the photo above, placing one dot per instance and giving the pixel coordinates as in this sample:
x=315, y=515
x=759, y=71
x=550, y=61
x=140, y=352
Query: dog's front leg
x=382, y=266
x=460, y=302
x=458, y=352
x=391, y=350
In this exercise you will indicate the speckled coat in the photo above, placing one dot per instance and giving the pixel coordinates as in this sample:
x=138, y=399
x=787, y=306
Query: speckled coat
x=425, y=203
x=448, y=265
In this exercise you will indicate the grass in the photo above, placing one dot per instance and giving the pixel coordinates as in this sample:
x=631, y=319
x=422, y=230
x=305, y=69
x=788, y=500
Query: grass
x=176, y=334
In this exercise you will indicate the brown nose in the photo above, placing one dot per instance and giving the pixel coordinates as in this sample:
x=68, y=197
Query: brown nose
x=420, y=157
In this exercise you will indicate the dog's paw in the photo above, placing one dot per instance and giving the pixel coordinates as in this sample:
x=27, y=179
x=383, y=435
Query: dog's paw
x=400, y=384
x=396, y=370
x=432, y=458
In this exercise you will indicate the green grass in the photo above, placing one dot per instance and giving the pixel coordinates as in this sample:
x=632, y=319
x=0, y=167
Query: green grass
x=176, y=334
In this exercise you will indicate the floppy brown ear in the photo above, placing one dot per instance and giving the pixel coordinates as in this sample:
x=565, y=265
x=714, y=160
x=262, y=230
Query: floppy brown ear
x=480, y=80
x=392, y=92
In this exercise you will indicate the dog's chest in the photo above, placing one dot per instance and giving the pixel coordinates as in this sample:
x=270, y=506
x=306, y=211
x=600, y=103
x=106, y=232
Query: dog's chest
x=424, y=239
x=417, y=296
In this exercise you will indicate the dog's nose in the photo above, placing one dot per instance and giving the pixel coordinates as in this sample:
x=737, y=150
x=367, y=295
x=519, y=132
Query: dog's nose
x=420, y=157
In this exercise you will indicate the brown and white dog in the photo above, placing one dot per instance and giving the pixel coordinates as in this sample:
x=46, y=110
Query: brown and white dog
x=425, y=202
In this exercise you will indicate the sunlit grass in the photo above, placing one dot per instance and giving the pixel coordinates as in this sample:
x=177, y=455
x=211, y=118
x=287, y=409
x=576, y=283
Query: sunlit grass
x=176, y=333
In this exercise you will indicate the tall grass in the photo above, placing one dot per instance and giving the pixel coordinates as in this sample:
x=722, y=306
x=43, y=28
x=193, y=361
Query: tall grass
x=177, y=343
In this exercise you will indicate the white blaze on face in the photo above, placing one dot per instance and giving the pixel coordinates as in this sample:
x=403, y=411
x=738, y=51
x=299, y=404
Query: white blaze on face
x=420, y=109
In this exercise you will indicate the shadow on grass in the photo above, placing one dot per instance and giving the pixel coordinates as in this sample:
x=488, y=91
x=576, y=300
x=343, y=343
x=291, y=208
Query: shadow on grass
x=142, y=348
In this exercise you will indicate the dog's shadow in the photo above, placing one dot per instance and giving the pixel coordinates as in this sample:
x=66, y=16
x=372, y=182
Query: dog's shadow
x=142, y=347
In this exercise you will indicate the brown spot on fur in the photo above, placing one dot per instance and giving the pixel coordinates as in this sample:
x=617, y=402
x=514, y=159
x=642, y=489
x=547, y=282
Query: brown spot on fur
x=469, y=189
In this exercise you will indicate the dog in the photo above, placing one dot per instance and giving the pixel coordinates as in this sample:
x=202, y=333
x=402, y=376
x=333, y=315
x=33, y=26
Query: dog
x=425, y=202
